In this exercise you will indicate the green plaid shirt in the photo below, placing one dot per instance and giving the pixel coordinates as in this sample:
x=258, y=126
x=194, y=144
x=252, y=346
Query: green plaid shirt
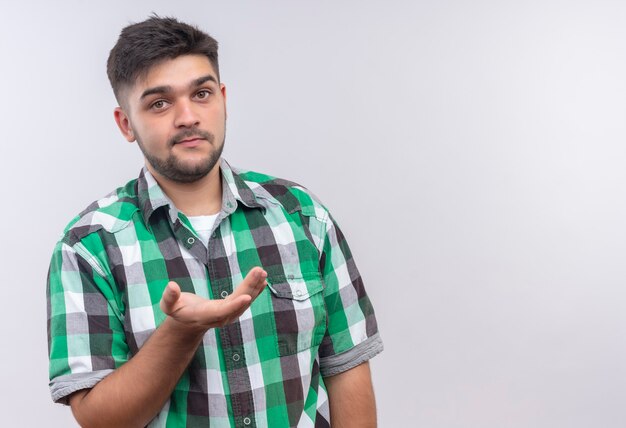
x=314, y=319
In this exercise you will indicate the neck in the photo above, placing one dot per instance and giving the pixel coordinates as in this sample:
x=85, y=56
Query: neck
x=202, y=197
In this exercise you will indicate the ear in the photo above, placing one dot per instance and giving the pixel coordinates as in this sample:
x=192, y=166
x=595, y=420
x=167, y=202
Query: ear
x=223, y=91
x=123, y=122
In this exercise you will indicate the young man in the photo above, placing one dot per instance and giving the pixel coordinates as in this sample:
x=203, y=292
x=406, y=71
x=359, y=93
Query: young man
x=198, y=294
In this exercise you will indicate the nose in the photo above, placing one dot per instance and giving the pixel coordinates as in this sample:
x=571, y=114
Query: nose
x=186, y=116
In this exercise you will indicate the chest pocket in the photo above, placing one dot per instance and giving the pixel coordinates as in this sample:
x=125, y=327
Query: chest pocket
x=299, y=312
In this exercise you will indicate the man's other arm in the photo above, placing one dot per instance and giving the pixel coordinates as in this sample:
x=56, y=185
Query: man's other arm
x=134, y=393
x=351, y=397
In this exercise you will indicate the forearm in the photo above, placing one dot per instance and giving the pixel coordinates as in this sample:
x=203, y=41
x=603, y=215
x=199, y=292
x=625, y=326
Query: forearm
x=351, y=397
x=133, y=394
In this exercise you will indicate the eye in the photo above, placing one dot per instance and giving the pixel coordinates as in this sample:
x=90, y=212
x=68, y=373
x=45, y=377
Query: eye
x=203, y=94
x=158, y=105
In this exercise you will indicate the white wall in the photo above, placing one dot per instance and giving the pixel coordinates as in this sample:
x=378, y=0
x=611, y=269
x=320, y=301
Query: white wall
x=472, y=151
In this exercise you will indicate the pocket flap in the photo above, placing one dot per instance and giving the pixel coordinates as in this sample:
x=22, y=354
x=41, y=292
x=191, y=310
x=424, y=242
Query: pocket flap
x=296, y=288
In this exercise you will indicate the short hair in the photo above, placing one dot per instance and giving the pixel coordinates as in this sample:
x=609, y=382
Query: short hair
x=145, y=44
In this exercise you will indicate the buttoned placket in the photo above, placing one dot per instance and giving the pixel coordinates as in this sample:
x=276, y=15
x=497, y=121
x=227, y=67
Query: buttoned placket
x=230, y=335
x=231, y=339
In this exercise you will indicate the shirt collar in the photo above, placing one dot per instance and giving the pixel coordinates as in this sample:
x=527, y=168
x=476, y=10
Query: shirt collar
x=234, y=190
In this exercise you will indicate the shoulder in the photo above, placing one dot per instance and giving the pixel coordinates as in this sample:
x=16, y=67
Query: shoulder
x=291, y=195
x=109, y=213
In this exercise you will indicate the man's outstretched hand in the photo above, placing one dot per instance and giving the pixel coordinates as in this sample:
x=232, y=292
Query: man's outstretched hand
x=200, y=314
x=133, y=394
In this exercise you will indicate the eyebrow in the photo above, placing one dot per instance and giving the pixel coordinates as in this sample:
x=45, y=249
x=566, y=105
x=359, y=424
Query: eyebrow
x=164, y=89
x=199, y=81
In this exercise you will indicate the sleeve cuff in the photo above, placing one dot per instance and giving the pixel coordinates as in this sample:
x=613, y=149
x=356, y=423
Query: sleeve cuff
x=62, y=386
x=335, y=364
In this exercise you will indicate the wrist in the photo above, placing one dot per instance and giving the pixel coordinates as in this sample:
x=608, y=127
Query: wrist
x=187, y=333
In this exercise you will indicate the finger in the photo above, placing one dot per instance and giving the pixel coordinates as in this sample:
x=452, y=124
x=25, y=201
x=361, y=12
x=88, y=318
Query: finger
x=229, y=310
x=246, y=302
x=239, y=305
x=252, y=284
x=171, y=294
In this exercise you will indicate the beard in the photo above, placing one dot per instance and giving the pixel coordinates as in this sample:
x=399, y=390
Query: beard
x=172, y=168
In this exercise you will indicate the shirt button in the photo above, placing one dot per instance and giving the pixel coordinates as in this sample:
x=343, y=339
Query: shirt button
x=298, y=293
x=190, y=241
x=224, y=294
x=236, y=357
x=247, y=421
x=229, y=204
x=290, y=276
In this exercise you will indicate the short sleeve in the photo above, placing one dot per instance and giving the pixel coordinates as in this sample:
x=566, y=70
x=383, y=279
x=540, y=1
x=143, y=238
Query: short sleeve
x=86, y=339
x=352, y=335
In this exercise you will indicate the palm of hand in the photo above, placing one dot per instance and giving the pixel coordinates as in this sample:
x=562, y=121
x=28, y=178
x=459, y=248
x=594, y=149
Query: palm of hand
x=199, y=313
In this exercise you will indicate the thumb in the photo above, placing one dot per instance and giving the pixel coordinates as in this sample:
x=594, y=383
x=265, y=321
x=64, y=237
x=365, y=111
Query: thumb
x=170, y=296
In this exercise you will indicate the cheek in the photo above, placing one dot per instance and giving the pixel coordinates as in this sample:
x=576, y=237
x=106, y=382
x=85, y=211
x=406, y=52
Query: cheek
x=153, y=136
x=220, y=120
x=216, y=112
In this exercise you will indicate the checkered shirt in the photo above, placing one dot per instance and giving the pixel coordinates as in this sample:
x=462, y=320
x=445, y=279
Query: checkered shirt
x=267, y=369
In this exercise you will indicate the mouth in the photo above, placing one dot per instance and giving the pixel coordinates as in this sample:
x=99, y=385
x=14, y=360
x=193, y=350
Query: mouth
x=190, y=141
x=191, y=138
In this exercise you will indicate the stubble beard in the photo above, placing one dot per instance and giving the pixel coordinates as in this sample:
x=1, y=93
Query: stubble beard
x=173, y=169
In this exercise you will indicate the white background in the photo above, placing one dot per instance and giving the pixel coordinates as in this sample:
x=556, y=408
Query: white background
x=473, y=153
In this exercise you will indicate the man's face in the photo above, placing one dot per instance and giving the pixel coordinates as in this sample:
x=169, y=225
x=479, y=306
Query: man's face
x=177, y=114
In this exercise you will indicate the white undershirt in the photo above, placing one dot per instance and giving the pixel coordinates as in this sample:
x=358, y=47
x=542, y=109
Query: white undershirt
x=203, y=224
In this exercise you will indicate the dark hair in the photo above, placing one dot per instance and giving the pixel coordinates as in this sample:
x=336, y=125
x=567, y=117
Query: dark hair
x=145, y=44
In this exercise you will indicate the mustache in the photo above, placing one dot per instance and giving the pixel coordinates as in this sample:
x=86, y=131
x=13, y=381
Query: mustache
x=193, y=132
